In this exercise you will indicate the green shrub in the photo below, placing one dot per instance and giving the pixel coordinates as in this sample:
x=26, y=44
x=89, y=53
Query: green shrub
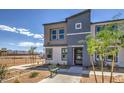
x=3, y=72
x=34, y=74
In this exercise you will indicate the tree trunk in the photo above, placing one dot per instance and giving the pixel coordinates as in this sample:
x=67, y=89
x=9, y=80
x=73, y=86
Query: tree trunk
x=93, y=67
x=102, y=66
x=112, y=68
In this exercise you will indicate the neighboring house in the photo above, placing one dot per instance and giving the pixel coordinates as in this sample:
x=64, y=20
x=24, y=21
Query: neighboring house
x=96, y=27
x=64, y=41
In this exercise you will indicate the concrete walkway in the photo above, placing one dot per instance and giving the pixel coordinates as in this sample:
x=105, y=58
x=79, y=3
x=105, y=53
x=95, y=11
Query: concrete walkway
x=106, y=73
x=73, y=75
x=61, y=78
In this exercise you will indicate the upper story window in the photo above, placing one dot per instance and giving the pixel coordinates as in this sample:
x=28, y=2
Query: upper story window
x=57, y=34
x=78, y=25
x=53, y=34
x=101, y=27
x=97, y=28
x=61, y=34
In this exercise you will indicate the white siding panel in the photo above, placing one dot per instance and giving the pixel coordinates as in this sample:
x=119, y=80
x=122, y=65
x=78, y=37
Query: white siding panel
x=121, y=58
x=56, y=56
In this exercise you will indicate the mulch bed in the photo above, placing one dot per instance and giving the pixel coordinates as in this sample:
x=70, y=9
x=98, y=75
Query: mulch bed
x=91, y=79
x=27, y=79
x=15, y=72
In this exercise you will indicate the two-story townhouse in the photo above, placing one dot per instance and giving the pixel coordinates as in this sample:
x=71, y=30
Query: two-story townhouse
x=62, y=40
x=65, y=41
x=96, y=27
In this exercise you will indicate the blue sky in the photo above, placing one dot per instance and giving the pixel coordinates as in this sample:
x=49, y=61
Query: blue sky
x=20, y=29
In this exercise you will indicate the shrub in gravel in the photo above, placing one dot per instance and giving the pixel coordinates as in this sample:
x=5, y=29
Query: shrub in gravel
x=34, y=74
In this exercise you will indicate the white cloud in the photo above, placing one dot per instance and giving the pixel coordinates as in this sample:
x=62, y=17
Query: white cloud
x=27, y=33
x=7, y=28
x=29, y=44
x=38, y=36
x=22, y=31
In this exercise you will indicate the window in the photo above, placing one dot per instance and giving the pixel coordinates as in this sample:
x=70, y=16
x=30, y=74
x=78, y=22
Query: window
x=78, y=25
x=64, y=53
x=109, y=58
x=61, y=34
x=98, y=28
x=57, y=34
x=49, y=53
x=97, y=57
x=53, y=34
x=102, y=27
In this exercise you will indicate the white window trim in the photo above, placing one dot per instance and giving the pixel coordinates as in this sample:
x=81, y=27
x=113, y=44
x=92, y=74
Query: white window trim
x=78, y=24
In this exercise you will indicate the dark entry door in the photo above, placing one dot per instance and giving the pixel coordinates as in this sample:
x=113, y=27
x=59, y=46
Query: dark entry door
x=78, y=56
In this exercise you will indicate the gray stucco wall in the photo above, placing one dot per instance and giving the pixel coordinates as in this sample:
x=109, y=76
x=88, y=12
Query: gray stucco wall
x=83, y=18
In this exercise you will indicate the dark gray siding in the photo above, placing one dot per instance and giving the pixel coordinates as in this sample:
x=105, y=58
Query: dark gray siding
x=82, y=18
x=86, y=58
x=75, y=39
x=70, y=56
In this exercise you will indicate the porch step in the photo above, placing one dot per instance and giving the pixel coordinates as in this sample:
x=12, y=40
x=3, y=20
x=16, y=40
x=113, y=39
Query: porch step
x=75, y=70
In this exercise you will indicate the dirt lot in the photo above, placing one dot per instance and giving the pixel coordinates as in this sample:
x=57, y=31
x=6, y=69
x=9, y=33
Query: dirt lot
x=27, y=79
x=19, y=60
x=91, y=79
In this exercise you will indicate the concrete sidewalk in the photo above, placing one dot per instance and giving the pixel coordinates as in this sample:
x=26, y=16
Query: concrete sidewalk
x=61, y=78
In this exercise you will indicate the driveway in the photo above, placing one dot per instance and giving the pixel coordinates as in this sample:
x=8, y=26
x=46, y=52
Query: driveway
x=61, y=78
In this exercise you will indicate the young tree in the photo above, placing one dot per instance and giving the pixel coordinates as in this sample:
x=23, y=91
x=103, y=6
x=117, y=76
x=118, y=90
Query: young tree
x=91, y=48
x=111, y=39
x=31, y=51
x=102, y=38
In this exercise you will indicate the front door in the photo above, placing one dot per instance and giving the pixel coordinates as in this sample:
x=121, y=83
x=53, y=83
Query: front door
x=78, y=56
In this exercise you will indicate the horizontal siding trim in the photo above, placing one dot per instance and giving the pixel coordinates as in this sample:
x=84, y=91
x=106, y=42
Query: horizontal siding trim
x=78, y=33
x=75, y=46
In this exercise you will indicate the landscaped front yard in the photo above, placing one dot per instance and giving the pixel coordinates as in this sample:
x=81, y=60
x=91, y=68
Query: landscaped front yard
x=90, y=79
x=29, y=77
